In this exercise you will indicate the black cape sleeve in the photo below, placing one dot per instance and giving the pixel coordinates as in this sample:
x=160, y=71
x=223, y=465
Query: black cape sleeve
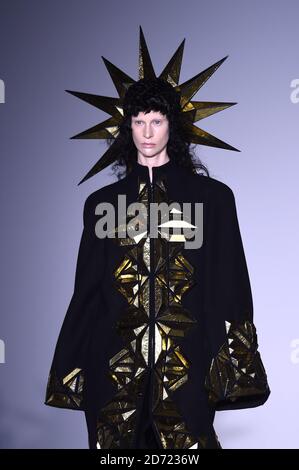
x=235, y=375
x=66, y=380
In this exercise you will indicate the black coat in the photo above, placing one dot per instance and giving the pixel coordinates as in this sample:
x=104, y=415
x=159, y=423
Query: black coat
x=158, y=336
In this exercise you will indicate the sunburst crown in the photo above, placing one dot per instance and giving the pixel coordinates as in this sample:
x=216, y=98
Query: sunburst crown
x=192, y=111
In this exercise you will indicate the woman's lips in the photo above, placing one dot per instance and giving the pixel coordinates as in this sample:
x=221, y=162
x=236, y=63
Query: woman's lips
x=148, y=145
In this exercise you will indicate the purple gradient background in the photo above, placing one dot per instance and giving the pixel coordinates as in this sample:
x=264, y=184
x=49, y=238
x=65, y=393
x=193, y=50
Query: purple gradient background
x=47, y=47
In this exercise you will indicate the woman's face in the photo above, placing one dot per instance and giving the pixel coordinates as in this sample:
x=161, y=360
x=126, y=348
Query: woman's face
x=150, y=128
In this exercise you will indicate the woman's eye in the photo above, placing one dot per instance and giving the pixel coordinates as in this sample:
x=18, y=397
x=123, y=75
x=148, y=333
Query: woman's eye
x=157, y=121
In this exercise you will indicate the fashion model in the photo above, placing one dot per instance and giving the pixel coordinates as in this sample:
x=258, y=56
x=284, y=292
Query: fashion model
x=159, y=332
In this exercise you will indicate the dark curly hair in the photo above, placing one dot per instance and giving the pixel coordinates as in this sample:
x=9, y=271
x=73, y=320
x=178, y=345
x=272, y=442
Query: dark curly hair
x=148, y=95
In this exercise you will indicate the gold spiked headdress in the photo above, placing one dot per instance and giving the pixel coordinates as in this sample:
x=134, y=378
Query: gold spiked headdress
x=192, y=110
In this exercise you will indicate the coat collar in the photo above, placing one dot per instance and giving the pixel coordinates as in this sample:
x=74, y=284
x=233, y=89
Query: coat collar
x=158, y=172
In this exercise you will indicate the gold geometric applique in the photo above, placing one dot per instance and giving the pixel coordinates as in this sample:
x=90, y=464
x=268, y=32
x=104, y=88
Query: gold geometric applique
x=67, y=393
x=237, y=372
x=172, y=276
